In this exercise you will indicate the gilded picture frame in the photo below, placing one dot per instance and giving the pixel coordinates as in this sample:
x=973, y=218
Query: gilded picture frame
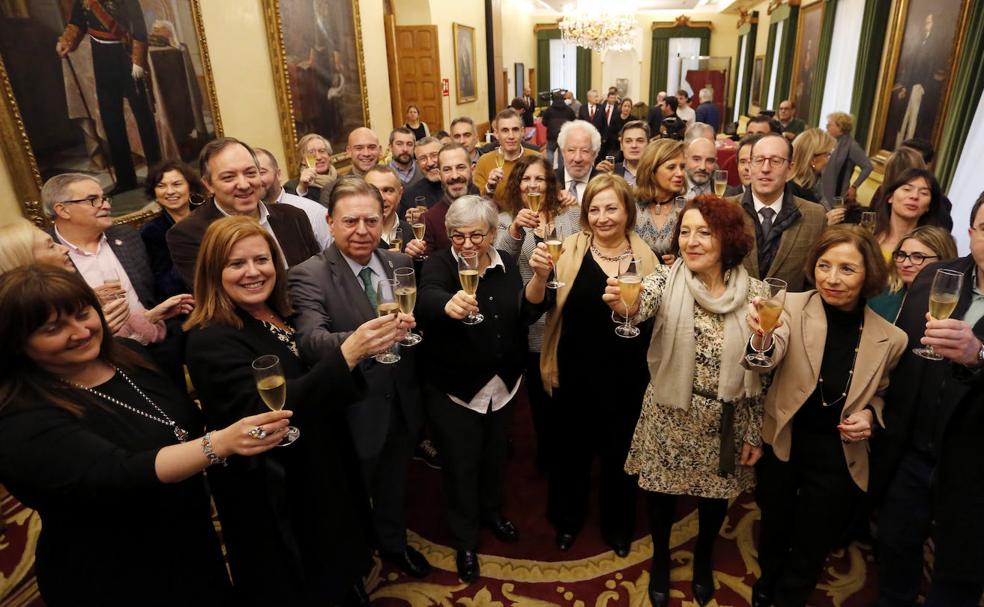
x=758, y=68
x=176, y=27
x=905, y=55
x=325, y=68
x=465, y=63
x=805, y=56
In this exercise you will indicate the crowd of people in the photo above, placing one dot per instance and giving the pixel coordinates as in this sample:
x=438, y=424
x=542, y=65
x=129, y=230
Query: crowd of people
x=696, y=344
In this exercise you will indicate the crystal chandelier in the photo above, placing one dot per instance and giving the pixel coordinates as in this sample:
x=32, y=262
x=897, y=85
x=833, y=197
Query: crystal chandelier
x=597, y=26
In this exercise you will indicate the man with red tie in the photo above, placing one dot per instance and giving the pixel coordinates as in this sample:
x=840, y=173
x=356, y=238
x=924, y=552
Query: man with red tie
x=593, y=112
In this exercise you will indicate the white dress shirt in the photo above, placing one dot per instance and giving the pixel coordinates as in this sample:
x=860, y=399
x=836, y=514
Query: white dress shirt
x=317, y=215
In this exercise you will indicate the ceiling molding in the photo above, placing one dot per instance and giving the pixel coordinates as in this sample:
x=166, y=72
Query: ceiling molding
x=682, y=21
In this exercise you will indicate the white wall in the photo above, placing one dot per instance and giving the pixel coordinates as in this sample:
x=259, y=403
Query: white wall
x=627, y=64
x=968, y=182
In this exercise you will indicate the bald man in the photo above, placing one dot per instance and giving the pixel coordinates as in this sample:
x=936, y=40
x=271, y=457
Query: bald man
x=701, y=164
x=364, y=150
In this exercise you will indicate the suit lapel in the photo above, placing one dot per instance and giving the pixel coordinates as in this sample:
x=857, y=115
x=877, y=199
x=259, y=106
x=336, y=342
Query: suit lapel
x=788, y=238
x=347, y=284
x=814, y=332
x=871, y=353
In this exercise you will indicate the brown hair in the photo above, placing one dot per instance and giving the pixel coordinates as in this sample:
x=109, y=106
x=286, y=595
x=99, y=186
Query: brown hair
x=514, y=199
x=656, y=154
x=605, y=181
x=214, y=147
x=29, y=296
x=728, y=224
x=875, y=269
x=212, y=303
x=934, y=214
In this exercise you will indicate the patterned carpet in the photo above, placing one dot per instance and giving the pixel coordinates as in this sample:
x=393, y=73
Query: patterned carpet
x=533, y=572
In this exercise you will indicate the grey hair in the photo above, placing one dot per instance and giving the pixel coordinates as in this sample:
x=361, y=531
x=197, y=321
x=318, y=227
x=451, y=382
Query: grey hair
x=583, y=125
x=469, y=210
x=426, y=141
x=698, y=130
x=706, y=94
x=55, y=190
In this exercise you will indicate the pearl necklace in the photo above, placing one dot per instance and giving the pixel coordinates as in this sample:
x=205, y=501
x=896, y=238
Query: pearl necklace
x=180, y=433
x=850, y=375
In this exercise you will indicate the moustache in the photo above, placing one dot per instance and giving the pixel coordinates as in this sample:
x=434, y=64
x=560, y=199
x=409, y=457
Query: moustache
x=457, y=181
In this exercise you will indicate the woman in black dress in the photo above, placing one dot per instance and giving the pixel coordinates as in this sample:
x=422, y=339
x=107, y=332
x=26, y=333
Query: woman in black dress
x=295, y=515
x=597, y=398
x=173, y=185
x=103, y=447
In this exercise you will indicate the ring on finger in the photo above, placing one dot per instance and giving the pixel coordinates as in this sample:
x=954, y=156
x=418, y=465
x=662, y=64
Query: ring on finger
x=257, y=433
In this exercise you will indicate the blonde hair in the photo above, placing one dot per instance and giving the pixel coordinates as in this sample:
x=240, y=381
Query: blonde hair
x=899, y=161
x=16, y=244
x=843, y=120
x=808, y=144
x=212, y=303
x=935, y=238
x=654, y=156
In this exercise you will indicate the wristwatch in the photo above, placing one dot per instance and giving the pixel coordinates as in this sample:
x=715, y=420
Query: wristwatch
x=980, y=354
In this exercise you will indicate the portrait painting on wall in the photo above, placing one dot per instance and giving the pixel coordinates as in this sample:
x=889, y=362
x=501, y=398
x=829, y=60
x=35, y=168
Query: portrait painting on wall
x=317, y=51
x=103, y=87
x=465, y=62
x=805, y=58
x=758, y=68
x=919, y=71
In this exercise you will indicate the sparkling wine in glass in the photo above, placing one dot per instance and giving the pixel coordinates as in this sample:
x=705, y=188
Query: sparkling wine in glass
x=769, y=310
x=397, y=243
x=468, y=275
x=868, y=220
x=500, y=158
x=533, y=199
x=272, y=386
x=720, y=183
x=629, y=285
x=406, y=297
x=555, y=246
x=943, y=298
x=386, y=303
x=419, y=231
x=310, y=160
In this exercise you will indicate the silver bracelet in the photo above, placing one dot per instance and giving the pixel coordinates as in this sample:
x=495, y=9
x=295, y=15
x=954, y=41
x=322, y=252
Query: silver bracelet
x=210, y=453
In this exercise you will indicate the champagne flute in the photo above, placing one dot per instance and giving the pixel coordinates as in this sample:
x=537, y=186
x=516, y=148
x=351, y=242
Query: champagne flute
x=629, y=285
x=769, y=310
x=468, y=275
x=272, y=386
x=500, y=158
x=310, y=160
x=868, y=220
x=397, y=242
x=533, y=198
x=419, y=231
x=554, y=246
x=720, y=182
x=943, y=298
x=406, y=296
x=386, y=303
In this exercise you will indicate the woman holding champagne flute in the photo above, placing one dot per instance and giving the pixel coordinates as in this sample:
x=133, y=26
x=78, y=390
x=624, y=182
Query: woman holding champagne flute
x=292, y=519
x=699, y=430
x=660, y=182
x=472, y=370
x=531, y=206
x=832, y=357
x=595, y=398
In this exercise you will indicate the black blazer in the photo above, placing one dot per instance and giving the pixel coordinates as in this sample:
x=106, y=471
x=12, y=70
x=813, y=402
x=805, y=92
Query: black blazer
x=132, y=255
x=460, y=359
x=599, y=117
x=154, y=234
x=290, y=225
x=294, y=514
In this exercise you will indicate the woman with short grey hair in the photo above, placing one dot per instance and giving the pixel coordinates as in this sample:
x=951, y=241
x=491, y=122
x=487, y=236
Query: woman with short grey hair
x=472, y=370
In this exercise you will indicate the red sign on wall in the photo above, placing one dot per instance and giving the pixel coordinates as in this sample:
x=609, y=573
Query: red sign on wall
x=445, y=87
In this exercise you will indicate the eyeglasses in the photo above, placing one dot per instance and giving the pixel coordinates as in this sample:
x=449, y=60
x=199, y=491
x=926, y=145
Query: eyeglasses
x=774, y=161
x=474, y=237
x=917, y=259
x=93, y=201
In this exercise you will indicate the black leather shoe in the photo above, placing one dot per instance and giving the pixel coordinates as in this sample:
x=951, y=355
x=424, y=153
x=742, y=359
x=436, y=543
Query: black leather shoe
x=409, y=561
x=703, y=587
x=503, y=529
x=565, y=540
x=356, y=597
x=619, y=546
x=658, y=598
x=468, y=570
x=761, y=596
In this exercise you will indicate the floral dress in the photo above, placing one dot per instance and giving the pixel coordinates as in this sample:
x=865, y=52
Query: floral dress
x=677, y=451
x=659, y=239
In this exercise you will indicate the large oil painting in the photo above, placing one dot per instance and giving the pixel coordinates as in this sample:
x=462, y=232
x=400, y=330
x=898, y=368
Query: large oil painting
x=465, y=62
x=102, y=87
x=805, y=60
x=918, y=74
x=316, y=46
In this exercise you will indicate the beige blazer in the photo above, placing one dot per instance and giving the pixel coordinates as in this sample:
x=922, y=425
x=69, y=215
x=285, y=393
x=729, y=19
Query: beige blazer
x=798, y=352
x=794, y=245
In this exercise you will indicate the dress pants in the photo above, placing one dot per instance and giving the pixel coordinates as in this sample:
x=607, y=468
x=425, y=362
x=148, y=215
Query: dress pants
x=589, y=422
x=541, y=405
x=112, y=69
x=954, y=594
x=473, y=450
x=904, y=523
x=807, y=505
x=385, y=475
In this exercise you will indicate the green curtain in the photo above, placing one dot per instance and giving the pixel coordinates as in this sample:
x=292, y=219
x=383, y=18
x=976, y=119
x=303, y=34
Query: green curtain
x=658, y=71
x=583, y=72
x=968, y=85
x=873, y=29
x=769, y=56
x=823, y=60
x=747, y=31
x=784, y=76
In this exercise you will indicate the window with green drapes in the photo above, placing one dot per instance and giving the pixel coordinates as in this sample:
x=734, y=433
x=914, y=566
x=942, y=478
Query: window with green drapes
x=787, y=46
x=876, y=14
x=543, y=38
x=823, y=59
x=661, y=53
x=770, y=54
x=746, y=35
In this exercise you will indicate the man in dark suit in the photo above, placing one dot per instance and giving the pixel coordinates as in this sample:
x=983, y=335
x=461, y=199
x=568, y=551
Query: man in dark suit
x=529, y=104
x=743, y=159
x=333, y=294
x=426, y=191
x=456, y=181
x=579, y=143
x=786, y=227
x=931, y=444
x=660, y=112
x=386, y=180
x=592, y=112
x=231, y=173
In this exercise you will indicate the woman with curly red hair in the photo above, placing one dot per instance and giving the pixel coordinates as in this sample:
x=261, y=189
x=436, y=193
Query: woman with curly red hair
x=699, y=430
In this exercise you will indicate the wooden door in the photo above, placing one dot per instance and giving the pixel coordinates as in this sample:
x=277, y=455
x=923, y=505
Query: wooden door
x=415, y=73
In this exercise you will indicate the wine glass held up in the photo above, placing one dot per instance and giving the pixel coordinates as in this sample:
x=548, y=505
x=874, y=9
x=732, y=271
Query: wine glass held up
x=555, y=247
x=386, y=303
x=629, y=286
x=943, y=298
x=406, y=297
x=769, y=311
x=272, y=386
x=469, y=277
x=720, y=183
